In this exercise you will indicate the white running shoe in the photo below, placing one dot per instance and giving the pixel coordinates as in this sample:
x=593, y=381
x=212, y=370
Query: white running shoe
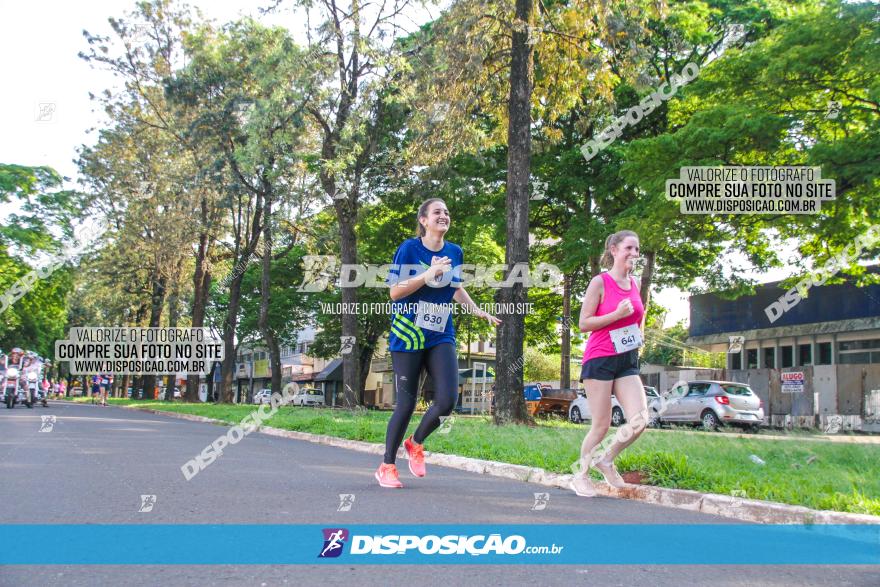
x=583, y=486
x=612, y=477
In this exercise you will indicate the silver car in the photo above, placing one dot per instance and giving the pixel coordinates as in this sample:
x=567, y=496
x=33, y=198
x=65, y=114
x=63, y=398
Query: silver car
x=713, y=404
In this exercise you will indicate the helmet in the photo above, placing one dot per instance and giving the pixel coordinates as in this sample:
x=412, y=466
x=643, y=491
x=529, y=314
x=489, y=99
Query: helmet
x=16, y=350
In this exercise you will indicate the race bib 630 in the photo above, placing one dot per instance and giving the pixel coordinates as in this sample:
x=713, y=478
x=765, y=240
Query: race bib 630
x=432, y=316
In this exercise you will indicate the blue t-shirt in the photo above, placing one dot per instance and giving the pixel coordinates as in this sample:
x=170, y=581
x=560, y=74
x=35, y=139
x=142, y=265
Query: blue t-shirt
x=412, y=259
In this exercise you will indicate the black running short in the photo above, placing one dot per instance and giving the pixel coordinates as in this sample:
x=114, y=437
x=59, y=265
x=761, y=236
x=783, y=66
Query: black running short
x=613, y=367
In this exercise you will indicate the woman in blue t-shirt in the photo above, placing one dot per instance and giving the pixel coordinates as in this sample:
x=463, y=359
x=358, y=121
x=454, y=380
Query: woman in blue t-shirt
x=425, y=279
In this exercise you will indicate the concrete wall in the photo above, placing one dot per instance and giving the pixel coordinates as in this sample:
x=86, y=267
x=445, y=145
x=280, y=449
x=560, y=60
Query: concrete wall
x=841, y=392
x=849, y=389
x=825, y=387
x=846, y=394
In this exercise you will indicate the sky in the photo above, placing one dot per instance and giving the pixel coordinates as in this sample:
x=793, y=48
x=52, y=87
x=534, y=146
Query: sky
x=40, y=41
x=45, y=110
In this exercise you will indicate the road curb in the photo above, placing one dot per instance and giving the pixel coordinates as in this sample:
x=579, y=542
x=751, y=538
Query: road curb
x=746, y=510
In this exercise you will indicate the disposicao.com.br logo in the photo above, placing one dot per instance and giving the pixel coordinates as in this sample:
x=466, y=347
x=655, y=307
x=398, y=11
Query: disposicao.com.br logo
x=451, y=544
x=334, y=540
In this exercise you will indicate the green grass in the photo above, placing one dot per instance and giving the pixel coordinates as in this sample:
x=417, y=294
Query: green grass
x=840, y=476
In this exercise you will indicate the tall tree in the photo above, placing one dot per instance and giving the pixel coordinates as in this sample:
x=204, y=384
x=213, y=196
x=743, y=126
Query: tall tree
x=133, y=177
x=570, y=43
x=510, y=407
x=34, y=275
x=250, y=85
x=349, y=45
x=151, y=40
x=739, y=112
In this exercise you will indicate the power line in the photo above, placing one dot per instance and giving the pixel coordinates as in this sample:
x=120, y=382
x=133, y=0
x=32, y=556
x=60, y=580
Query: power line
x=667, y=341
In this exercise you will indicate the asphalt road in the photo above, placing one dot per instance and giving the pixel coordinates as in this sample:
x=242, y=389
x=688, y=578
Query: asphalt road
x=96, y=463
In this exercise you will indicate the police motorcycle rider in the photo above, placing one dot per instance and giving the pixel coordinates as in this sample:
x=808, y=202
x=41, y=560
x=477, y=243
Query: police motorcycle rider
x=32, y=375
x=13, y=363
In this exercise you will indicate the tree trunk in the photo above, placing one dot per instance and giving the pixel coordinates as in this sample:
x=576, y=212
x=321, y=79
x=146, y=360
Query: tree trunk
x=647, y=277
x=364, y=356
x=201, y=292
x=230, y=322
x=137, y=380
x=173, y=319
x=266, y=294
x=209, y=395
x=470, y=330
x=351, y=380
x=510, y=406
x=565, y=360
x=157, y=301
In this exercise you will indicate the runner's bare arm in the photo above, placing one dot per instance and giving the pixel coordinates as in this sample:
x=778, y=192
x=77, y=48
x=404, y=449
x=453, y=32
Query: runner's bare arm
x=645, y=313
x=439, y=265
x=462, y=297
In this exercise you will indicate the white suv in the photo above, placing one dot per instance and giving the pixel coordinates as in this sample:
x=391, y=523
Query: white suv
x=263, y=396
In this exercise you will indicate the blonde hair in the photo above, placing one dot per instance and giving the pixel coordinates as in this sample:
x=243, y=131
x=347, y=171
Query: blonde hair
x=423, y=212
x=607, y=260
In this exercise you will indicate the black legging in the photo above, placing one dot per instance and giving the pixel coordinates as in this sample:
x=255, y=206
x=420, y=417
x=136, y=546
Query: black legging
x=442, y=365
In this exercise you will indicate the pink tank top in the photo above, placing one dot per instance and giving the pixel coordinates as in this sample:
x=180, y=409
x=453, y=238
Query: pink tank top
x=599, y=344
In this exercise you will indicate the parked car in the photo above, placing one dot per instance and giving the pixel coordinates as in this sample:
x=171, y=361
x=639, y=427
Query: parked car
x=263, y=396
x=308, y=396
x=164, y=390
x=579, y=411
x=714, y=404
x=542, y=399
x=76, y=391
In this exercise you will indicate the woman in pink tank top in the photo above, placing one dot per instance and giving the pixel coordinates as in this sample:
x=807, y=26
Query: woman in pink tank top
x=613, y=314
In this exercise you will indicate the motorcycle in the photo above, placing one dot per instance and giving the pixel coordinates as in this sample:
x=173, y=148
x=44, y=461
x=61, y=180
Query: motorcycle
x=35, y=391
x=16, y=391
x=12, y=379
x=31, y=375
x=10, y=386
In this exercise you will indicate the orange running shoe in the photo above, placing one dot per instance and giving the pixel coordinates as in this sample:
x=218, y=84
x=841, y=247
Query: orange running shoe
x=387, y=476
x=416, y=455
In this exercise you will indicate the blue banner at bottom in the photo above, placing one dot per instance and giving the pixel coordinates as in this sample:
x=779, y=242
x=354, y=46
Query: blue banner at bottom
x=583, y=544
